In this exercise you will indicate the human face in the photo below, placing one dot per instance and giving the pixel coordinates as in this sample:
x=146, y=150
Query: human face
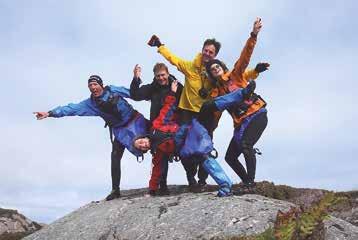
x=142, y=144
x=208, y=53
x=162, y=77
x=216, y=70
x=95, y=89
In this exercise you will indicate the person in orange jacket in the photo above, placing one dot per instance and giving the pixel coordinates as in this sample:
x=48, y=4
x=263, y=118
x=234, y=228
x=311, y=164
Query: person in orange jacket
x=250, y=116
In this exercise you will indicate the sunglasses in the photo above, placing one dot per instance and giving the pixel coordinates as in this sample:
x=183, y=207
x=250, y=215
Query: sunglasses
x=215, y=66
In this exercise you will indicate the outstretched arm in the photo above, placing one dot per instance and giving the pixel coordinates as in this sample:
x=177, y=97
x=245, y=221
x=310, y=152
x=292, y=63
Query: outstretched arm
x=245, y=56
x=164, y=51
x=83, y=108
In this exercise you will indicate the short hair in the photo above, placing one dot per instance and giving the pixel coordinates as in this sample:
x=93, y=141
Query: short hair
x=212, y=41
x=160, y=66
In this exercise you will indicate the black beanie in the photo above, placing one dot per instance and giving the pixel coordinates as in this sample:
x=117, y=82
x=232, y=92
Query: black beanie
x=95, y=78
x=214, y=61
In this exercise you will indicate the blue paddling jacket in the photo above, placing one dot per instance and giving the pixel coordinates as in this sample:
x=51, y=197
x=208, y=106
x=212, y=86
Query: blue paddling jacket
x=115, y=111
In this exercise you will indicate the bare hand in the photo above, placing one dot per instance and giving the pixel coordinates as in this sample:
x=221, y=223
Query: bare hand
x=174, y=86
x=137, y=72
x=41, y=115
x=257, y=26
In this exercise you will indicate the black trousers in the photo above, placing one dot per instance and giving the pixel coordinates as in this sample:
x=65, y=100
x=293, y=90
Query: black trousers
x=251, y=135
x=116, y=157
x=192, y=167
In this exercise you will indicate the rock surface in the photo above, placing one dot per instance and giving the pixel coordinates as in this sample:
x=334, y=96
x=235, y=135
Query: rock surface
x=14, y=225
x=181, y=216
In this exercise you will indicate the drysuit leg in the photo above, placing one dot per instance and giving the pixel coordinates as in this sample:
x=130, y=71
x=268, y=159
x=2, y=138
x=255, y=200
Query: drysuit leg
x=157, y=170
x=190, y=170
x=251, y=135
x=202, y=174
x=232, y=154
x=219, y=176
x=116, y=156
x=164, y=175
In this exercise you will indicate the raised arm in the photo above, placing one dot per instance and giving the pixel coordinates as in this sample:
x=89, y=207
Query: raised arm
x=139, y=93
x=245, y=56
x=180, y=63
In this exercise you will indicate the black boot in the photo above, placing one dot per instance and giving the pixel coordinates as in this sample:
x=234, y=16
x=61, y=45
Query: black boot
x=151, y=193
x=163, y=191
x=246, y=188
x=113, y=195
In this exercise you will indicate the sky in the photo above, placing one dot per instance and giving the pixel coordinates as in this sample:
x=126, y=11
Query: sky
x=50, y=48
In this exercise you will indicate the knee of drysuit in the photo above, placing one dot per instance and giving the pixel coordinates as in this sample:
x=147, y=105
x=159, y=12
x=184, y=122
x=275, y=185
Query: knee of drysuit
x=247, y=147
x=116, y=147
x=229, y=158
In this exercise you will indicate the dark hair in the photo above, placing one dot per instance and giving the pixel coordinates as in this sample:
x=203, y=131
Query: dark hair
x=212, y=41
x=210, y=63
x=160, y=66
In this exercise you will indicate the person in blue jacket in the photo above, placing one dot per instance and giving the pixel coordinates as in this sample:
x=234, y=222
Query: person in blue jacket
x=108, y=103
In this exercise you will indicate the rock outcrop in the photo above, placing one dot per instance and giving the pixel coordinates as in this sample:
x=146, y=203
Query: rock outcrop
x=14, y=225
x=178, y=216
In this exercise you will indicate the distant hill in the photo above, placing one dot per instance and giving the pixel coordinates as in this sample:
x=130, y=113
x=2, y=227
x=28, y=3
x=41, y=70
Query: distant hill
x=14, y=225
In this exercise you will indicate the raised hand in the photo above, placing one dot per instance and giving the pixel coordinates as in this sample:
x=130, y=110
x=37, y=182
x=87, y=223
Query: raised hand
x=154, y=41
x=261, y=67
x=174, y=86
x=137, y=71
x=257, y=26
x=41, y=115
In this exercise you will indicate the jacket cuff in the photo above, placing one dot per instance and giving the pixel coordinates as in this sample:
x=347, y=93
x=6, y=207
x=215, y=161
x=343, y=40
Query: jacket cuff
x=138, y=80
x=160, y=49
x=253, y=35
x=50, y=114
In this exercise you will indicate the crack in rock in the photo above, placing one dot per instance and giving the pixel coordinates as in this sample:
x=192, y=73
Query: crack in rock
x=162, y=209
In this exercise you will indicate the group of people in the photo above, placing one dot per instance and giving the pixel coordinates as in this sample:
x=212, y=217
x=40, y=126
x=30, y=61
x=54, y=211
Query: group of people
x=182, y=118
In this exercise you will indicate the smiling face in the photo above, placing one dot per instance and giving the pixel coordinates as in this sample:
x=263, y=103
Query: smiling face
x=143, y=144
x=208, y=53
x=216, y=70
x=162, y=77
x=95, y=89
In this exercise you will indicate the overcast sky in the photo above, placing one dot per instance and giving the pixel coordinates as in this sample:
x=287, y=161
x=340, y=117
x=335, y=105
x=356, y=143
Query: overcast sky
x=49, y=48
